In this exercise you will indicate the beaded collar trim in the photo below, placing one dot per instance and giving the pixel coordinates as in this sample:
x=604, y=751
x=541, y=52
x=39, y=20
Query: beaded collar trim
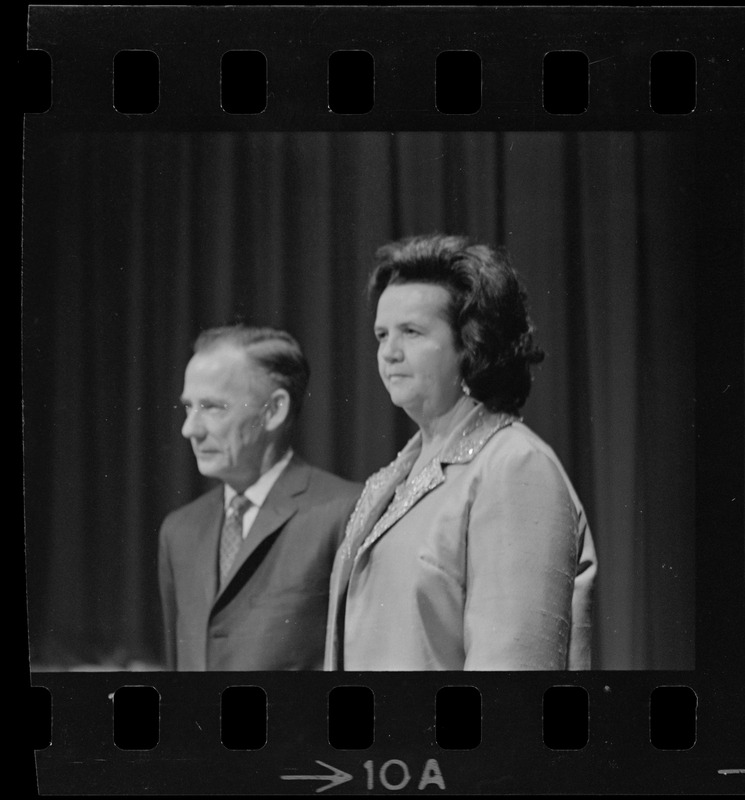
x=390, y=482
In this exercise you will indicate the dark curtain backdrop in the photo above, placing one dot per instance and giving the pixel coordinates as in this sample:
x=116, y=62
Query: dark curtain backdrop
x=135, y=242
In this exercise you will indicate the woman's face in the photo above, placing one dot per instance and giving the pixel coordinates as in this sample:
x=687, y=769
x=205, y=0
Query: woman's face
x=417, y=359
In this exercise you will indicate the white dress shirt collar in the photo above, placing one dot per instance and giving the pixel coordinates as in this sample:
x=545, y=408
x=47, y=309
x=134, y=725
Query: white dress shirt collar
x=258, y=492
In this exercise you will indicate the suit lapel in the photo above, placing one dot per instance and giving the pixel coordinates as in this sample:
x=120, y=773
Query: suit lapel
x=280, y=505
x=207, y=526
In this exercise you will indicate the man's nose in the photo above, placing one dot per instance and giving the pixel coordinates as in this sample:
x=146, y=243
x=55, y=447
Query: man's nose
x=192, y=426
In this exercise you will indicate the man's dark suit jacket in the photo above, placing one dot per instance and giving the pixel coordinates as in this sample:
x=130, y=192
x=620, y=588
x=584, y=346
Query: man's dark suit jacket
x=271, y=615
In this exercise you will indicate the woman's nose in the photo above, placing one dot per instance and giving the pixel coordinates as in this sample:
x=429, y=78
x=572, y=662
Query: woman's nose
x=390, y=349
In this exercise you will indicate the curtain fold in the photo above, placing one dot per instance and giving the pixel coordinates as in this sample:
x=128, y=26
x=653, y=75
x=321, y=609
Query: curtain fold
x=138, y=241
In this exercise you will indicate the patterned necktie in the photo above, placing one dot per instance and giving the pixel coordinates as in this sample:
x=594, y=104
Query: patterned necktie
x=232, y=534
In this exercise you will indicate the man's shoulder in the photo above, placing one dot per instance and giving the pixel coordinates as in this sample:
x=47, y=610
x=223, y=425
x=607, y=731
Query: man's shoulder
x=204, y=504
x=321, y=481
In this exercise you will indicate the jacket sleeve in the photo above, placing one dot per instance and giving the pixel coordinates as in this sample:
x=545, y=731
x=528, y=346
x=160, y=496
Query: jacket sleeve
x=520, y=565
x=167, y=599
x=580, y=643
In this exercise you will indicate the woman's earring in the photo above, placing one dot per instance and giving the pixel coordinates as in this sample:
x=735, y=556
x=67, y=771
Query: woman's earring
x=464, y=387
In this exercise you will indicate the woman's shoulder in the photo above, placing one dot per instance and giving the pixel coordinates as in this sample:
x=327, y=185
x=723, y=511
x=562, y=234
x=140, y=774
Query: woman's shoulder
x=515, y=444
x=519, y=438
x=520, y=455
x=486, y=434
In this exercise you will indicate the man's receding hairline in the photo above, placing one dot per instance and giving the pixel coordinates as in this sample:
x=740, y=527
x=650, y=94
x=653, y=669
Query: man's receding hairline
x=244, y=350
x=278, y=359
x=245, y=347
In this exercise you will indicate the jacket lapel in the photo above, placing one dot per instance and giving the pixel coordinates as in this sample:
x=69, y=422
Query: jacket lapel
x=280, y=505
x=462, y=446
x=376, y=498
x=372, y=503
x=207, y=526
x=405, y=496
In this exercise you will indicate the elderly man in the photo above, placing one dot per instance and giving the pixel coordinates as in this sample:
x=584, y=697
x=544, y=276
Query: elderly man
x=244, y=569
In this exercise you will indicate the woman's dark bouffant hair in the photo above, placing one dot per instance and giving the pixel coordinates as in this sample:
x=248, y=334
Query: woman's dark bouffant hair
x=487, y=310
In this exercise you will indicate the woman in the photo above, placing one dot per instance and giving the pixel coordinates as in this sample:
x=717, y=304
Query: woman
x=471, y=550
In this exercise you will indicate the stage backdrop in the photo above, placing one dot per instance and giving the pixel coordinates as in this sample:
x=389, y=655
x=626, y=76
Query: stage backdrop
x=135, y=242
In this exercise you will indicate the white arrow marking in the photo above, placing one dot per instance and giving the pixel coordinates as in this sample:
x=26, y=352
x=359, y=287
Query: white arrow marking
x=338, y=777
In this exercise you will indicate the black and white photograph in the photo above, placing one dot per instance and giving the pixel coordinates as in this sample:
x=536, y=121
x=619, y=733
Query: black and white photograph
x=370, y=403
x=151, y=241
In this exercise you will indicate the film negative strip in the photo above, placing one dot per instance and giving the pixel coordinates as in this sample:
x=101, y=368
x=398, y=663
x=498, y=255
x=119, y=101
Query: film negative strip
x=185, y=167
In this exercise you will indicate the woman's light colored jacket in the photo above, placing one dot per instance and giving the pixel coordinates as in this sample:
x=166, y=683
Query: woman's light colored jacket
x=484, y=561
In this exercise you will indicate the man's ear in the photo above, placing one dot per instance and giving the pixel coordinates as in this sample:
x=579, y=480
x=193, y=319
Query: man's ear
x=277, y=409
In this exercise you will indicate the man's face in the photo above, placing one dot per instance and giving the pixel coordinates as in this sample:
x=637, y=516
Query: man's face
x=225, y=396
